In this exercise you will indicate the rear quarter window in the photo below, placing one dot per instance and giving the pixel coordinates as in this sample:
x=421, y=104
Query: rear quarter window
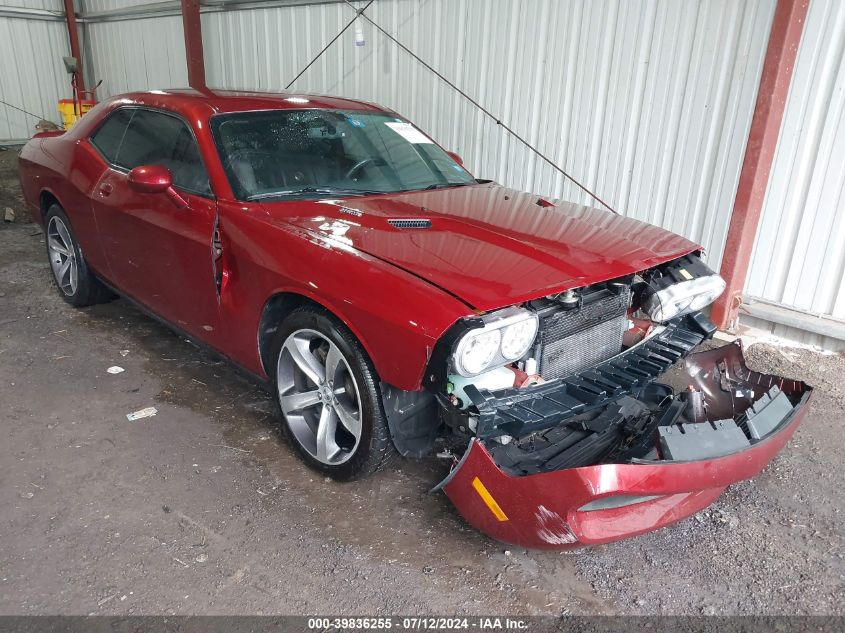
x=110, y=134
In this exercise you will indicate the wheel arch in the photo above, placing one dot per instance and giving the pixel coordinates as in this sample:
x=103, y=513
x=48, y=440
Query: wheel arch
x=278, y=306
x=46, y=199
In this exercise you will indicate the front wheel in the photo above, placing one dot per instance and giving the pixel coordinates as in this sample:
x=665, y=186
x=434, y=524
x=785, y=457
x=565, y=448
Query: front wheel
x=329, y=396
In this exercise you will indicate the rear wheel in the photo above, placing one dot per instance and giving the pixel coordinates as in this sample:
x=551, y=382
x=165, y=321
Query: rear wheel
x=76, y=284
x=329, y=396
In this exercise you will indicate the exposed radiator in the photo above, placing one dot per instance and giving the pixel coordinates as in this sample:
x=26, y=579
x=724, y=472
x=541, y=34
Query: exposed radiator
x=573, y=340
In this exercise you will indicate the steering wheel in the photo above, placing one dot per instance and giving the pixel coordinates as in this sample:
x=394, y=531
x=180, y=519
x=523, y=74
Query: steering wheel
x=358, y=167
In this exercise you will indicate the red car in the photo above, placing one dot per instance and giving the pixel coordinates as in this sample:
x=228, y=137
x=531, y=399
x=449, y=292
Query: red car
x=394, y=303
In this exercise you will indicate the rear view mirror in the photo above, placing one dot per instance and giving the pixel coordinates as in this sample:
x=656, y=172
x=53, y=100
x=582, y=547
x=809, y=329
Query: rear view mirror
x=455, y=157
x=155, y=179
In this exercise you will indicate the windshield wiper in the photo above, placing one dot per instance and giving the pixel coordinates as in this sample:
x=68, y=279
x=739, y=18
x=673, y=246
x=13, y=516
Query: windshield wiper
x=329, y=191
x=445, y=185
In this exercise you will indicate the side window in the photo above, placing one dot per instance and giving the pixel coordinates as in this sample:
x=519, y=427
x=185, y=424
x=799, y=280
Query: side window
x=109, y=135
x=153, y=138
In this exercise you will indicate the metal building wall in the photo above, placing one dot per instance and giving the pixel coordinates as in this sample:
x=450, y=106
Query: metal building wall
x=32, y=74
x=647, y=101
x=799, y=254
x=139, y=53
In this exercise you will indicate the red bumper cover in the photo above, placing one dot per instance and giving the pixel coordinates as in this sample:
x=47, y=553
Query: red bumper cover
x=546, y=510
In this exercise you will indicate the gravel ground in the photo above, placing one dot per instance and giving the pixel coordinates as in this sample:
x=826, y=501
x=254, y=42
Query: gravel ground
x=204, y=509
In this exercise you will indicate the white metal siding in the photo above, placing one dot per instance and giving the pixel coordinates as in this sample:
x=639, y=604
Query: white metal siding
x=32, y=74
x=90, y=6
x=136, y=54
x=799, y=254
x=49, y=5
x=647, y=101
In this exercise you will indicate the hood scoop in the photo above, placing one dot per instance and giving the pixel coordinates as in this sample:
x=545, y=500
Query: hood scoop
x=410, y=223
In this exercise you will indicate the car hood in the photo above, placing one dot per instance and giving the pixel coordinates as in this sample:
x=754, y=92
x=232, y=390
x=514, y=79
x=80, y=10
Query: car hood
x=488, y=245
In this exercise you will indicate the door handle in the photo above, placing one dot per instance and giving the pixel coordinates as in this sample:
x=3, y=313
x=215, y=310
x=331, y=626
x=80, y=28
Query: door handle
x=106, y=188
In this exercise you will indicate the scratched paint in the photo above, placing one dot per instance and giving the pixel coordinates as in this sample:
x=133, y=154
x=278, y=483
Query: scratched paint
x=553, y=529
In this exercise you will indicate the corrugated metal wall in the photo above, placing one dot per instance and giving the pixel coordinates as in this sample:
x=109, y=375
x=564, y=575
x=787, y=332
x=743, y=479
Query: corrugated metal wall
x=33, y=75
x=799, y=253
x=133, y=54
x=137, y=54
x=647, y=101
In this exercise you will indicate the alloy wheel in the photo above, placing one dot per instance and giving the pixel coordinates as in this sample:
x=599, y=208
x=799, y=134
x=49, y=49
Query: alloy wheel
x=62, y=256
x=319, y=397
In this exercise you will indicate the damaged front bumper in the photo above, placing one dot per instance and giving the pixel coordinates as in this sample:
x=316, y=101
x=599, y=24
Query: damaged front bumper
x=663, y=461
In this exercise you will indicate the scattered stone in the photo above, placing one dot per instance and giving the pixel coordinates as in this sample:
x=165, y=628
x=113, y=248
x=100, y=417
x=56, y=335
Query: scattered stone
x=10, y=215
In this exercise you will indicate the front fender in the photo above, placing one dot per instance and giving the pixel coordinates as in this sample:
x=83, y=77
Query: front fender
x=397, y=317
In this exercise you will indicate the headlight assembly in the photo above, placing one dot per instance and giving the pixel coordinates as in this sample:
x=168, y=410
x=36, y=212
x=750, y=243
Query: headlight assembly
x=518, y=338
x=683, y=297
x=476, y=351
x=506, y=336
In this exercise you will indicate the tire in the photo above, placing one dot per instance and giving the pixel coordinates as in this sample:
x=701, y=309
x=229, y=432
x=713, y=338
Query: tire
x=344, y=400
x=74, y=281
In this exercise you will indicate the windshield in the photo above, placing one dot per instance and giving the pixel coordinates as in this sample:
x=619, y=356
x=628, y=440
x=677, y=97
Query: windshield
x=310, y=153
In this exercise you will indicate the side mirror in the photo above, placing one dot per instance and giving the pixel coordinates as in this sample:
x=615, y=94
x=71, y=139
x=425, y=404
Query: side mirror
x=455, y=157
x=155, y=179
x=150, y=179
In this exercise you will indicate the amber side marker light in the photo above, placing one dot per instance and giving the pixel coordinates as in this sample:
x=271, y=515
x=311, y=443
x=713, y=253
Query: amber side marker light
x=487, y=498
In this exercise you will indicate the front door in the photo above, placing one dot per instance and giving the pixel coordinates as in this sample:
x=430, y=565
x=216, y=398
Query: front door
x=158, y=254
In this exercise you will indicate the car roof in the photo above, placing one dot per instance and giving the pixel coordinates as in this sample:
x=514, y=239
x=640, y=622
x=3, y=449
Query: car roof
x=211, y=101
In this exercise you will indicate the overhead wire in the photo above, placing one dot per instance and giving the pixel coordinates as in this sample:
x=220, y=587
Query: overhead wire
x=361, y=13
x=6, y=103
x=328, y=46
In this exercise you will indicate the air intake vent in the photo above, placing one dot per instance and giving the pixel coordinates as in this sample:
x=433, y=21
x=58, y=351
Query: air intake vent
x=411, y=224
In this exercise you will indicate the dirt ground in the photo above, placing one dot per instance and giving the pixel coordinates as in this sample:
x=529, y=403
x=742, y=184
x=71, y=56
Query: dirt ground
x=10, y=188
x=204, y=509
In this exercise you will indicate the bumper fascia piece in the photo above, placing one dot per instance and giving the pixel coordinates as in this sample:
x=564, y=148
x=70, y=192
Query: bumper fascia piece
x=547, y=510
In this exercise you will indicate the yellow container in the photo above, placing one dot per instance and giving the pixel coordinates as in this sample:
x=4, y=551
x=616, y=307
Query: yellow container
x=72, y=111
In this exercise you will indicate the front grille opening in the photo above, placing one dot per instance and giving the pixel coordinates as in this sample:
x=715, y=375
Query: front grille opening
x=410, y=223
x=574, y=339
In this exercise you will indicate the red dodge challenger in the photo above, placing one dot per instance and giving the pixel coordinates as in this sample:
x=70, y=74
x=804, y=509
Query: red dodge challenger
x=395, y=303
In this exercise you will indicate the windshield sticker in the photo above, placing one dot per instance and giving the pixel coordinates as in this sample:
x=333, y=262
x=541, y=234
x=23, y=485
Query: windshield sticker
x=408, y=132
x=356, y=122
